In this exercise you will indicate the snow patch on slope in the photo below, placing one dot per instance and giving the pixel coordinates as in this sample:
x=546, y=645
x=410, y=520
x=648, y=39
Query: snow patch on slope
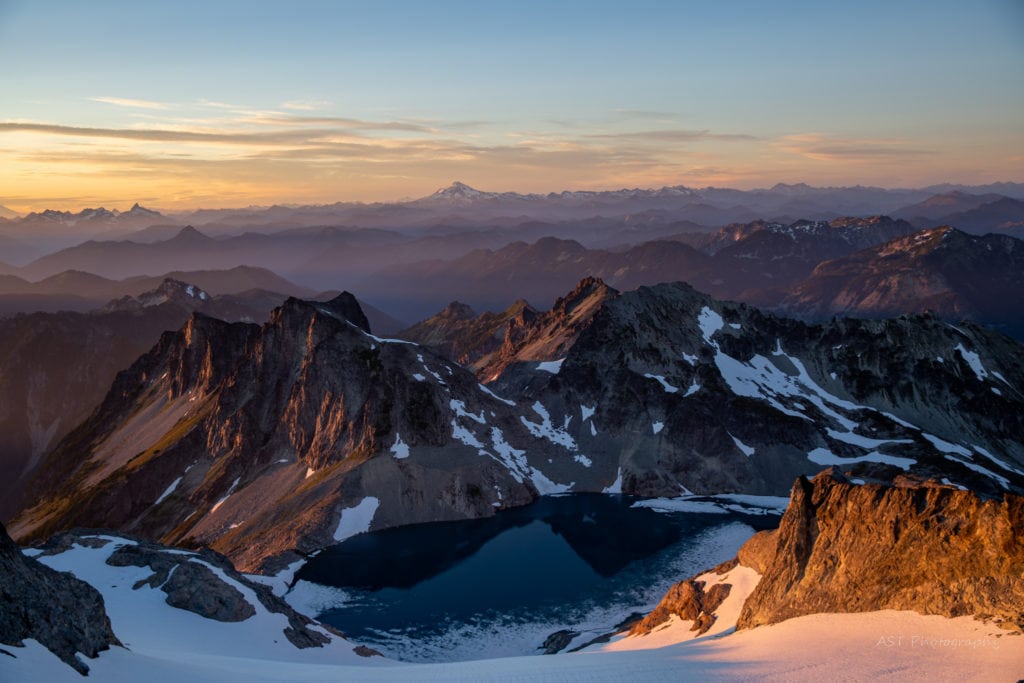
x=669, y=389
x=226, y=496
x=546, y=430
x=825, y=457
x=169, y=490
x=357, y=519
x=973, y=360
x=400, y=449
x=744, y=448
x=552, y=366
x=615, y=486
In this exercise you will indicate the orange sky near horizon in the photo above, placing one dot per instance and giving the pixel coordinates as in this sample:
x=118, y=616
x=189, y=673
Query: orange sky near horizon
x=195, y=104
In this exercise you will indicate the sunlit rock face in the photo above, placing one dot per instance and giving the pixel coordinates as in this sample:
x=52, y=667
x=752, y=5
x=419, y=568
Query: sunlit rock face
x=931, y=549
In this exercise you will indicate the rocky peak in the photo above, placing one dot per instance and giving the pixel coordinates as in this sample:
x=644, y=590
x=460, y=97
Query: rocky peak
x=346, y=305
x=532, y=336
x=138, y=210
x=467, y=338
x=171, y=291
x=457, y=310
x=190, y=236
x=589, y=291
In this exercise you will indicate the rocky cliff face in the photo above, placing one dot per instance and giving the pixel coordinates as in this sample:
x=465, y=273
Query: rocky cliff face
x=54, y=370
x=842, y=547
x=56, y=367
x=64, y=614
x=931, y=549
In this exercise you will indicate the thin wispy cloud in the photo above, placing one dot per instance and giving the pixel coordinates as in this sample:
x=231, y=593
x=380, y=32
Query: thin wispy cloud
x=672, y=135
x=305, y=105
x=347, y=123
x=131, y=103
x=275, y=137
x=218, y=105
x=835, y=148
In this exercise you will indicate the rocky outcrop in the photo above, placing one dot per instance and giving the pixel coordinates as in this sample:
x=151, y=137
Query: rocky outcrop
x=558, y=641
x=690, y=600
x=202, y=582
x=841, y=547
x=931, y=549
x=189, y=586
x=64, y=614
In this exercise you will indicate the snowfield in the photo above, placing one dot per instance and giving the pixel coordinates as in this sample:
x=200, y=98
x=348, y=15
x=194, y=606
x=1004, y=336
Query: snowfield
x=167, y=645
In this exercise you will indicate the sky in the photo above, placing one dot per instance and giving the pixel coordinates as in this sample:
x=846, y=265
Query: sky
x=221, y=104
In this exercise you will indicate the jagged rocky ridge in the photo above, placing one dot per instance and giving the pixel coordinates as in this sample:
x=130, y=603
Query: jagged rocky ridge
x=264, y=442
x=679, y=389
x=55, y=368
x=254, y=440
x=841, y=547
x=56, y=609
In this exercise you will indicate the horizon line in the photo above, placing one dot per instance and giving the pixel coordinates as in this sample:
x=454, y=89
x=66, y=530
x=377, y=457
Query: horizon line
x=97, y=205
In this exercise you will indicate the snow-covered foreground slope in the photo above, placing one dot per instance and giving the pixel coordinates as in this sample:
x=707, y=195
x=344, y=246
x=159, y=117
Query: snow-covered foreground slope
x=151, y=628
x=169, y=645
x=871, y=646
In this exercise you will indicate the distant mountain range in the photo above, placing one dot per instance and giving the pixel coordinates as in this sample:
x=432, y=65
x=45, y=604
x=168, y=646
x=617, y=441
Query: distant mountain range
x=77, y=290
x=951, y=273
x=863, y=267
x=460, y=205
x=765, y=263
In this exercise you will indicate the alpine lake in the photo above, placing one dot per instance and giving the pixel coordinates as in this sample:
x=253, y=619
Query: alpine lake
x=580, y=564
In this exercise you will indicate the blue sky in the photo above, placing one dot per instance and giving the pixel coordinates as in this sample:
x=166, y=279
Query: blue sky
x=222, y=103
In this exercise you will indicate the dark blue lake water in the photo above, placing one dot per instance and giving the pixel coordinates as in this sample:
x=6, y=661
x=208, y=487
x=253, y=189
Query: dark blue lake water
x=499, y=586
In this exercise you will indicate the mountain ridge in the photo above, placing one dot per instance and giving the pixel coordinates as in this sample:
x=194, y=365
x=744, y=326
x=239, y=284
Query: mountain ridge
x=262, y=441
